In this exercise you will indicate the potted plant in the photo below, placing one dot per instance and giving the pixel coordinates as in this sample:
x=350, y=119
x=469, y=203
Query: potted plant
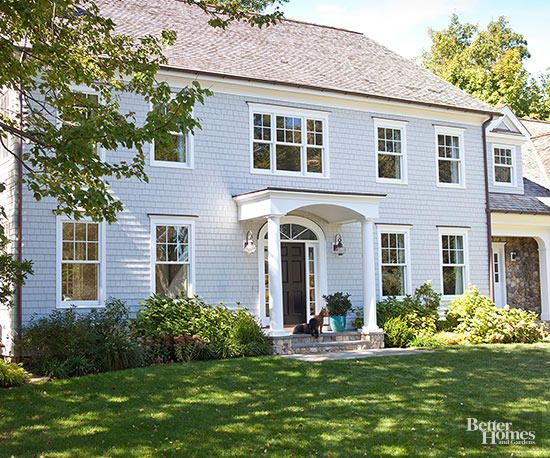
x=338, y=305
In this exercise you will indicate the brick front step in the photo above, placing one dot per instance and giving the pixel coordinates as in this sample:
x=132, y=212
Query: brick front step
x=327, y=343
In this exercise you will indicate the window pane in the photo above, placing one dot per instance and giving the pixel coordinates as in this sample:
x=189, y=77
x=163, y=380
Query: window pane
x=93, y=251
x=79, y=282
x=288, y=158
x=393, y=280
x=453, y=280
x=314, y=160
x=68, y=231
x=172, y=252
x=262, y=158
x=80, y=231
x=92, y=232
x=171, y=149
x=80, y=251
x=171, y=234
x=449, y=172
x=503, y=174
x=171, y=279
x=306, y=235
x=161, y=234
x=389, y=166
x=161, y=252
x=68, y=251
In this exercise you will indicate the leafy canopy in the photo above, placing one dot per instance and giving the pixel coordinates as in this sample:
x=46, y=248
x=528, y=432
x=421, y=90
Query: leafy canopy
x=49, y=47
x=489, y=64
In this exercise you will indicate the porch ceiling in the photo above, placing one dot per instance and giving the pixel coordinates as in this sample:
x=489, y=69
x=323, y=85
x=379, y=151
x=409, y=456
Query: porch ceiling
x=333, y=207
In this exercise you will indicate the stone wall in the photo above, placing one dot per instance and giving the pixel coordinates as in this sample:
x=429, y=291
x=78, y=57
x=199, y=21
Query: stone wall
x=523, y=274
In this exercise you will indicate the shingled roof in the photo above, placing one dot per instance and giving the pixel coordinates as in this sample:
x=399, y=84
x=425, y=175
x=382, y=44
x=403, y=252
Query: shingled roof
x=291, y=53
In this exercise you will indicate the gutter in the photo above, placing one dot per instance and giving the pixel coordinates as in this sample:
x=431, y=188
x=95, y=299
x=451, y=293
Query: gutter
x=487, y=207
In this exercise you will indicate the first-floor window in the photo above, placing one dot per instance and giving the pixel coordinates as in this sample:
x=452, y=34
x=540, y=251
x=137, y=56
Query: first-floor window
x=172, y=267
x=453, y=264
x=80, y=261
x=394, y=263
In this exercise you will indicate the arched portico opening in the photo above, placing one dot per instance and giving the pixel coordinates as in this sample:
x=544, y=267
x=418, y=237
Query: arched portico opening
x=304, y=258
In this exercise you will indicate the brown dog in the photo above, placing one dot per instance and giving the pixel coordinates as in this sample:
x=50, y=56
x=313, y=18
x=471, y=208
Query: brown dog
x=314, y=327
x=316, y=323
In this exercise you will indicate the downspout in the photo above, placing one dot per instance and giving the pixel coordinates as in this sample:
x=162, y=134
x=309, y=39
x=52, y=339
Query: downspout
x=487, y=207
x=19, y=242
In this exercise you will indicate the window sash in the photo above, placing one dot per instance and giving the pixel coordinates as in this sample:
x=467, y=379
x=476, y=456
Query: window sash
x=395, y=250
x=308, y=144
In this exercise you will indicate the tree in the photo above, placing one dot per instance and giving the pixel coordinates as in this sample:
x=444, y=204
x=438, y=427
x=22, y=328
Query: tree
x=489, y=64
x=47, y=47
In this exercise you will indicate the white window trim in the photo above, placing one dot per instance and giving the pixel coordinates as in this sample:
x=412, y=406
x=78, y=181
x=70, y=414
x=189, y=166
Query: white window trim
x=395, y=229
x=513, y=167
x=189, y=164
x=274, y=111
x=61, y=304
x=173, y=221
x=392, y=124
x=457, y=132
x=464, y=233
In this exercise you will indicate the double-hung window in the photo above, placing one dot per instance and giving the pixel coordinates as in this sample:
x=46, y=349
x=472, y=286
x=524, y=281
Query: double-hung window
x=394, y=261
x=503, y=160
x=450, y=156
x=172, y=242
x=82, y=105
x=288, y=141
x=391, y=151
x=80, y=270
x=454, y=265
x=176, y=150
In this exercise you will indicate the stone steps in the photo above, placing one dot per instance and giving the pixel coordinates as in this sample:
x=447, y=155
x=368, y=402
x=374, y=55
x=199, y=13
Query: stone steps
x=327, y=343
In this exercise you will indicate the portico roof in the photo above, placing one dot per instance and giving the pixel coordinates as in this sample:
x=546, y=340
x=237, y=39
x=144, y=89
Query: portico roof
x=331, y=206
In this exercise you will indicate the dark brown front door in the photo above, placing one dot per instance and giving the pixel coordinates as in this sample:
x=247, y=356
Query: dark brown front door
x=294, y=282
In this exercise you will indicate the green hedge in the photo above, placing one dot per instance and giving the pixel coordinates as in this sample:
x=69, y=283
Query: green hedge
x=218, y=332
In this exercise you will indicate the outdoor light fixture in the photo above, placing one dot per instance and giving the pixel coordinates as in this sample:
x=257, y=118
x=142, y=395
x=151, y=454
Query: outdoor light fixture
x=338, y=246
x=513, y=255
x=249, y=245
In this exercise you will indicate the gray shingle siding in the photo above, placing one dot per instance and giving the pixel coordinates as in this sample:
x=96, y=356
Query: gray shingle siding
x=222, y=169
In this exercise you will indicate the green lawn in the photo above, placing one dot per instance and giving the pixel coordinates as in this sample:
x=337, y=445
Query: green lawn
x=414, y=405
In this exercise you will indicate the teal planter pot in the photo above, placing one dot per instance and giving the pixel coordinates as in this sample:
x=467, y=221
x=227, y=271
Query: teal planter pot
x=337, y=323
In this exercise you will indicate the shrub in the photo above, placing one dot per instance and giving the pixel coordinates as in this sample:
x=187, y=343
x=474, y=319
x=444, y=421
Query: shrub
x=424, y=302
x=337, y=304
x=400, y=331
x=440, y=339
x=66, y=344
x=482, y=322
x=223, y=333
x=12, y=374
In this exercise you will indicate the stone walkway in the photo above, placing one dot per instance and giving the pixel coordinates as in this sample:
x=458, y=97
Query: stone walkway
x=318, y=357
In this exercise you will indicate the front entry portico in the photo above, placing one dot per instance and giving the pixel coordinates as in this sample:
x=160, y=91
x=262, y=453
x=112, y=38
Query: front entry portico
x=278, y=207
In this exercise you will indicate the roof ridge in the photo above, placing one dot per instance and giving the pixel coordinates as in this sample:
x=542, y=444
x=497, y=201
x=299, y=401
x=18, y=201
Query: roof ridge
x=543, y=121
x=325, y=26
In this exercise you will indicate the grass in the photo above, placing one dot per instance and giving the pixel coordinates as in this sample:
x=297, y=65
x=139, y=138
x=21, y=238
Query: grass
x=391, y=406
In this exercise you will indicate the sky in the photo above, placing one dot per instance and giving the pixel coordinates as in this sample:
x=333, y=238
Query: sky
x=402, y=25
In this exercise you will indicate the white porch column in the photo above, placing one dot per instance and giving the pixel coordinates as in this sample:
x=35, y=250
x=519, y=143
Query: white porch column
x=544, y=264
x=275, y=275
x=369, y=279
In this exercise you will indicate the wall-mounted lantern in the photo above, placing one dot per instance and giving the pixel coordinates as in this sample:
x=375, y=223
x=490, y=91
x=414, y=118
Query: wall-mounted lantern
x=338, y=245
x=514, y=255
x=249, y=245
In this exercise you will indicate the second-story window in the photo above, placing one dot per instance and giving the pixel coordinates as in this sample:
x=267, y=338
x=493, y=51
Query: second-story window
x=503, y=159
x=390, y=151
x=288, y=142
x=173, y=151
x=450, y=160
